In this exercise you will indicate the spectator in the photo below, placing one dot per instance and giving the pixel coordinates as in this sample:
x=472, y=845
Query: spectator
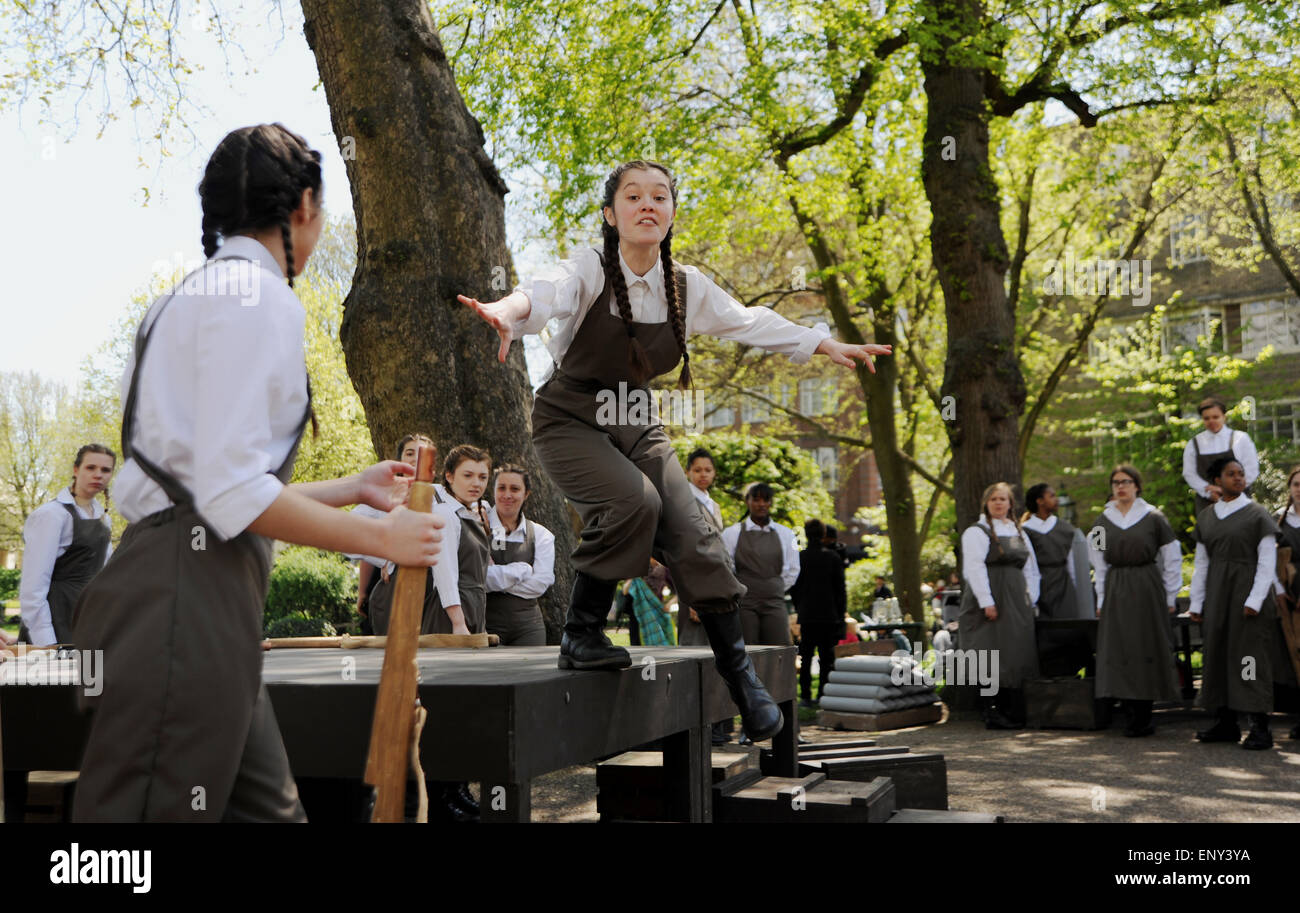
x=821, y=601
x=882, y=591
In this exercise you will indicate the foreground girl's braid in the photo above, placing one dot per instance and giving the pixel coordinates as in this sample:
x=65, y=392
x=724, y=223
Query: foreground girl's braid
x=676, y=309
x=638, y=357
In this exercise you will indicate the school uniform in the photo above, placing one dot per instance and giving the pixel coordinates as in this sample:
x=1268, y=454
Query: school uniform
x=691, y=633
x=767, y=563
x=1053, y=543
x=522, y=569
x=1236, y=568
x=1138, y=569
x=1000, y=569
x=64, y=546
x=1206, y=447
x=1284, y=671
x=462, y=582
x=623, y=477
x=216, y=400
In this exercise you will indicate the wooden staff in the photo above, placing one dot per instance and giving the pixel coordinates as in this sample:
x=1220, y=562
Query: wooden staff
x=397, y=704
x=350, y=642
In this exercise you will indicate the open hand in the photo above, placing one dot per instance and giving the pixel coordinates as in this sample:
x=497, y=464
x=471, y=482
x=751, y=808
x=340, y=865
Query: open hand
x=500, y=315
x=842, y=353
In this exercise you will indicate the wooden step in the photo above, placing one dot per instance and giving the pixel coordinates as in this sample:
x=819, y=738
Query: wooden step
x=942, y=816
x=875, y=722
x=807, y=800
x=632, y=786
x=921, y=777
x=851, y=752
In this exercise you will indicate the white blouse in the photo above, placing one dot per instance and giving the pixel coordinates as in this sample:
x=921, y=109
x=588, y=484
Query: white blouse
x=222, y=391
x=1169, y=560
x=1265, y=566
x=519, y=578
x=1239, y=442
x=46, y=536
x=567, y=290
x=975, y=549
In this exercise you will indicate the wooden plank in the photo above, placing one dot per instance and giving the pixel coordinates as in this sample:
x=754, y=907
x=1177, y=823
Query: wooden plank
x=867, y=648
x=942, y=816
x=894, y=719
x=850, y=752
x=378, y=642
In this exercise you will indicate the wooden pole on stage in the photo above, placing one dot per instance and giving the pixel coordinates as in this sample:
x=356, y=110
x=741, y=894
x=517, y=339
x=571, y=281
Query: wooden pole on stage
x=397, y=705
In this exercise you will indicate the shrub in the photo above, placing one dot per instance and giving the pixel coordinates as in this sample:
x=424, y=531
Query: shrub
x=298, y=625
x=311, y=583
x=9, y=577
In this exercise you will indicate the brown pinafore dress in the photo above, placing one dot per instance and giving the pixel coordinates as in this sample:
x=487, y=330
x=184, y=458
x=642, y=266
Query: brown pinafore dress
x=623, y=477
x=183, y=730
x=1011, y=634
x=1052, y=551
x=1230, y=636
x=759, y=559
x=75, y=568
x=1203, y=461
x=516, y=620
x=1135, y=659
x=471, y=563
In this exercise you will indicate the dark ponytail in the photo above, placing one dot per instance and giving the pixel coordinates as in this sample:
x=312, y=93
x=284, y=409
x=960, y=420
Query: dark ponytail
x=255, y=180
x=638, y=358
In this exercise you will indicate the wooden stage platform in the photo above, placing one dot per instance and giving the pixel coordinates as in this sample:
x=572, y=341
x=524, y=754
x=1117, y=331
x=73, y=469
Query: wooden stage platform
x=498, y=716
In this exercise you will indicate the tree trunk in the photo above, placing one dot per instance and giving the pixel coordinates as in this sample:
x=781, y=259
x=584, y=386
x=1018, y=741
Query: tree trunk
x=430, y=214
x=983, y=390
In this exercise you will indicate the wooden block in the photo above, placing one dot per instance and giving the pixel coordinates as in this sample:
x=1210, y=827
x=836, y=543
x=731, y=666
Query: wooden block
x=875, y=722
x=846, y=743
x=937, y=816
x=921, y=778
x=850, y=752
x=867, y=648
x=1063, y=703
x=787, y=800
x=632, y=786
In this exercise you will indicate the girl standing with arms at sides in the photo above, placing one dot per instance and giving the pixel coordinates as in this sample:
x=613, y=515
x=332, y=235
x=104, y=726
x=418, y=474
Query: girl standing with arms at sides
x=1053, y=541
x=625, y=313
x=216, y=400
x=1236, y=569
x=65, y=543
x=523, y=564
x=1138, y=570
x=997, y=606
x=457, y=601
x=1288, y=596
x=701, y=473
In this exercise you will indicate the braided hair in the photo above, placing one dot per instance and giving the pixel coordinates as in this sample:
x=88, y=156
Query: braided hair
x=638, y=358
x=254, y=180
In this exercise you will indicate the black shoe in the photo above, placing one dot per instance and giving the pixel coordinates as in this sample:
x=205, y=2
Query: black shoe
x=759, y=714
x=584, y=644
x=449, y=809
x=461, y=797
x=1225, y=730
x=994, y=718
x=1258, y=739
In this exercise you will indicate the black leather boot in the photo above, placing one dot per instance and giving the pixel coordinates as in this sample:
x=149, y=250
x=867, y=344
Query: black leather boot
x=1259, y=738
x=584, y=644
x=461, y=796
x=1139, y=720
x=759, y=714
x=1224, y=730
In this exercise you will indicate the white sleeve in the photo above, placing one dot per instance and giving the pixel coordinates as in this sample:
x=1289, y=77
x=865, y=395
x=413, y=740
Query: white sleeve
x=1190, y=474
x=446, y=573
x=560, y=291
x=1033, y=577
x=1069, y=566
x=715, y=313
x=1099, y=567
x=1200, y=570
x=540, y=575
x=1248, y=456
x=41, y=540
x=731, y=536
x=1265, y=572
x=974, y=549
x=1170, y=559
x=790, y=567
x=501, y=577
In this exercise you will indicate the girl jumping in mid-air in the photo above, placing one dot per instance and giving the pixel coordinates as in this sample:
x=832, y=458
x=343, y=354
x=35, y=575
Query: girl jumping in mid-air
x=624, y=315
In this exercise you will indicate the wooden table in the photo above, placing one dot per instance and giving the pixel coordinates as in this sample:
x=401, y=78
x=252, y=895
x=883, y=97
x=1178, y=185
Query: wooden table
x=500, y=716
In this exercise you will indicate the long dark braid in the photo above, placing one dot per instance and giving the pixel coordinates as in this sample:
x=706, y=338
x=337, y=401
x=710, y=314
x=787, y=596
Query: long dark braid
x=638, y=358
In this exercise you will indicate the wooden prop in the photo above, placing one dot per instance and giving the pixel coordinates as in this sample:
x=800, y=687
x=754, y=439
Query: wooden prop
x=349, y=642
x=397, y=704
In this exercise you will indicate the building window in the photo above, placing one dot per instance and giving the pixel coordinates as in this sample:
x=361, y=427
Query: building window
x=753, y=411
x=828, y=462
x=1186, y=235
x=816, y=396
x=1182, y=331
x=723, y=417
x=1279, y=420
x=1273, y=323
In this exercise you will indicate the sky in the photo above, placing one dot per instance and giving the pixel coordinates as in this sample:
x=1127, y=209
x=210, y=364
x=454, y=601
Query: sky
x=81, y=236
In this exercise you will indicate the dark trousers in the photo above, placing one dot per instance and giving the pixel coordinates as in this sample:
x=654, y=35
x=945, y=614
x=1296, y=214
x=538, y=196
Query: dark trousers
x=821, y=637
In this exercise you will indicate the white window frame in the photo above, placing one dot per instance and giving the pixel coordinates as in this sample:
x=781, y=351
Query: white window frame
x=1275, y=312
x=828, y=461
x=1180, y=227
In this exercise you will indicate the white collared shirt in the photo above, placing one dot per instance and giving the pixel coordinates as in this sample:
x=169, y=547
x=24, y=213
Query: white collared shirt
x=790, y=554
x=221, y=395
x=1239, y=442
x=46, y=536
x=1265, y=566
x=519, y=578
x=1039, y=525
x=710, y=505
x=1169, y=560
x=975, y=549
x=567, y=290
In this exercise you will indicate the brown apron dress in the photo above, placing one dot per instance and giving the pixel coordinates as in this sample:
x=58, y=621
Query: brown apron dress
x=623, y=477
x=183, y=730
x=1283, y=667
x=1052, y=551
x=1230, y=636
x=472, y=561
x=1011, y=634
x=81, y=561
x=1203, y=461
x=1135, y=659
x=516, y=620
x=759, y=559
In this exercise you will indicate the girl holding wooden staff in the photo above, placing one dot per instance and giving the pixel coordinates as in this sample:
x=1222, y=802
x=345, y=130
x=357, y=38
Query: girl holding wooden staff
x=997, y=606
x=523, y=564
x=1138, y=569
x=1236, y=569
x=216, y=401
x=625, y=313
